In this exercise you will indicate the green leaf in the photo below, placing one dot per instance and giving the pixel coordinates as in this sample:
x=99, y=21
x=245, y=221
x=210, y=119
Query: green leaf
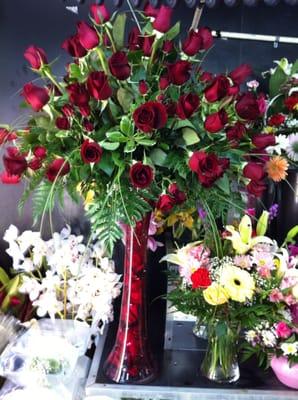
x=190, y=136
x=173, y=32
x=116, y=136
x=224, y=184
x=276, y=81
x=43, y=199
x=119, y=30
x=4, y=278
x=126, y=126
x=292, y=234
x=12, y=289
x=125, y=99
x=75, y=72
x=145, y=141
x=62, y=134
x=184, y=123
x=158, y=157
x=106, y=164
x=110, y=146
x=130, y=147
x=294, y=69
x=221, y=328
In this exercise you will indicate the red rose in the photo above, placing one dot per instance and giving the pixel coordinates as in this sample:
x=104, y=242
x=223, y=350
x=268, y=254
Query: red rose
x=200, y=278
x=171, y=108
x=40, y=152
x=247, y=107
x=14, y=162
x=187, y=105
x=6, y=136
x=178, y=194
x=87, y=35
x=62, y=123
x=233, y=90
x=119, y=65
x=263, y=140
x=35, y=164
x=147, y=45
x=149, y=116
x=179, y=72
x=57, y=168
x=162, y=22
x=88, y=125
x=276, y=120
x=99, y=13
x=36, y=57
x=206, y=77
x=168, y=46
x=78, y=94
x=91, y=152
x=150, y=11
x=135, y=40
x=73, y=46
x=67, y=110
x=208, y=167
x=218, y=89
x=192, y=43
x=164, y=82
x=254, y=171
x=206, y=38
x=143, y=87
x=85, y=110
x=235, y=133
x=36, y=96
x=141, y=176
x=291, y=102
x=240, y=74
x=98, y=85
x=256, y=188
x=8, y=179
x=216, y=121
x=165, y=203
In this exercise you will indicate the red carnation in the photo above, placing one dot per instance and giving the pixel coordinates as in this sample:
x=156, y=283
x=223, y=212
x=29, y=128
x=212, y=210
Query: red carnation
x=57, y=168
x=165, y=203
x=141, y=176
x=179, y=72
x=35, y=56
x=98, y=85
x=276, y=120
x=149, y=116
x=73, y=46
x=36, y=96
x=91, y=152
x=240, y=74
x=99, y=13
x=119, y=65
x=218, y=89
x=187, y=105
x=162, y=22
x=78, y=94
x=200, y=278
x=87, y=35
x=263, y=140
x=216, y=121
x=14, y=162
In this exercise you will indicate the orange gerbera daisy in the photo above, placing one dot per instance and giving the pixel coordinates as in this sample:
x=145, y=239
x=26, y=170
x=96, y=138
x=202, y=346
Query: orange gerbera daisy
x=277, y=168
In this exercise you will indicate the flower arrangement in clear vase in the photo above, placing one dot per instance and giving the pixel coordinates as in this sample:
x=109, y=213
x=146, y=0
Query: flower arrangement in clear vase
x=231, y=287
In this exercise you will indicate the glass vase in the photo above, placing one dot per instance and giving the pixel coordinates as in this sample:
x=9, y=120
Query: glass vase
x=221, y=362
x=130, y=360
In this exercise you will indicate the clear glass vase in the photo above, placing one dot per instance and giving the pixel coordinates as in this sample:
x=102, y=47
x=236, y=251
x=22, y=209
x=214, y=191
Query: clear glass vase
x=200, y=330
x=130, y=360
x=221, y=362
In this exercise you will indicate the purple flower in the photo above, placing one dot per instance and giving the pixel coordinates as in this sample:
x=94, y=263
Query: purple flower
x=273, y=211
x=202, y=213
x=293, y=250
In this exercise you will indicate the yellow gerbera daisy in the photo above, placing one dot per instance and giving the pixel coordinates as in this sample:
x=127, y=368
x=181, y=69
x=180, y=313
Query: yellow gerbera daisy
x=238, y=283
x=277, y=168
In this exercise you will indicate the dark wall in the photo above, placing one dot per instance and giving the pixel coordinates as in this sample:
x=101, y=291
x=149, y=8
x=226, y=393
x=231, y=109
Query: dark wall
x=46, y=23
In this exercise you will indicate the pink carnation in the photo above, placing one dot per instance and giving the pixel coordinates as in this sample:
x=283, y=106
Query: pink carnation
x=276, y=296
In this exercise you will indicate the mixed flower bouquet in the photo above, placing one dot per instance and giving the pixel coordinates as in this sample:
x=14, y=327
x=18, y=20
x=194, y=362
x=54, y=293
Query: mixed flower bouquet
x=252, y=281
x=137, y=125
x=63, y=277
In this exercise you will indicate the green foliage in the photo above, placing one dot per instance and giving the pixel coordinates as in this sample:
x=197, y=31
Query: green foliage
x=276, y=81
x=119, y=30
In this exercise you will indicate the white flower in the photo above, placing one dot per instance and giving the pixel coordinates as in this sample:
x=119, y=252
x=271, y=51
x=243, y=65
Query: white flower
x=281, y=144
x=291, y=123
x=11, y=234
x=31, y=287
x=253, y=84
x=292, y=149
x=27, y=239
x=268, y=337
x=47, y=303
x=251, y=335
x=289, y=348
x=16, y=254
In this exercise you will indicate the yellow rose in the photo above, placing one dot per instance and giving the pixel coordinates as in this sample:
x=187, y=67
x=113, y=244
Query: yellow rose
x=215, y=294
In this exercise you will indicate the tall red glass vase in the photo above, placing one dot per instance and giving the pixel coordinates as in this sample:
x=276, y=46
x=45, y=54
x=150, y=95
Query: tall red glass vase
x=130, y=360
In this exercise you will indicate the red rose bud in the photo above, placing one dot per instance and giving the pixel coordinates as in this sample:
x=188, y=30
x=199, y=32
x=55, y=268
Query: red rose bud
x=57, y=168
x=218, y=89
x=178, y=194
x=291, y=102
x=78, y=94
x=168, y=46
x=165, y=203
x=73, y=46
x=263, y=140
x=35, y=164
x=91, y=152
x=276, y=120
x=162, y=22
x=62, y=123
x=67, y=110
x=256, y=188
x=88, y=125
x=8, y=179
x=240, y=74
x=262, y=104
x=36, y=96
x=6, y=136
x=200, y=278
x=233, y=90
x=235, y=133
x=147, y=45
x=149, y=116
x=164, y=82
x=179, y=72
x=40, y=152
x=87, y=35
x=119, y=65
x=135, y=41
x=206, y=77
x=36, y=57
x=215, y=122
x=85, y=110
x=150, y=11
x=206, y=38
x=187, y=105
x=143, y=87
x=254, y=171
x=192, y=44
x=208, y=167
x=247, y=107
x=140, y=175
x=14, y=162
x=99, y=13
x=98, y=85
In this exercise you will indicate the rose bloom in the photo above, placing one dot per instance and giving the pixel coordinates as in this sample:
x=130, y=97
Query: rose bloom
x=276, y=120
x=215, y=122
x=14, y=162
x=256, y=188
x=150, y=11
x=8, y=179
x=179, y=72
x=40, y=152
x=78, y=94
x=162, y=21
x=147, y=45
x=91, y=152
x=143, y=87
x=73, y=46
x=6, y=136
x=99, y=13
x=187, y=105
x=87, y=35
x=35, y=164
x=135, y=40
x=235, y=133
x=218, y=89
x=119, y=66
x=168, y=46
x=291, y=102
x=241, y=73
x=35, y=56
x=263, y=140
x=141, y=176
x=36, y=96
x=254, y=171
x=58, y=167
x=165, y=203
x=98, y=85
x=283, y=330
x=247, y=107
x=276, y=168
x=192, y=44
x=178, y=194
x=62, y=123
x=149, y=116
x=200, y=278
